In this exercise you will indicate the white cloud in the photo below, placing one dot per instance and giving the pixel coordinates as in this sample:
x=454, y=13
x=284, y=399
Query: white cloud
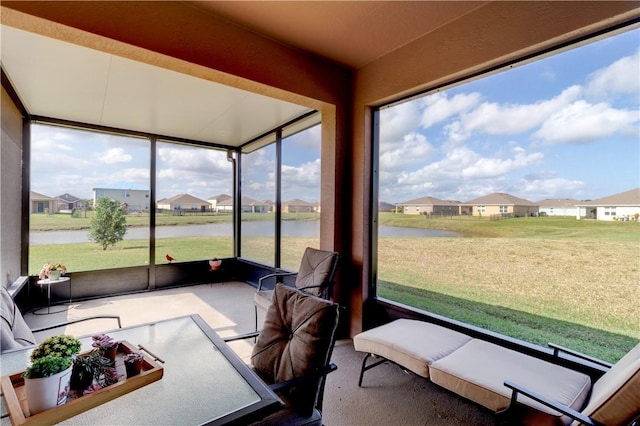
x=550, y=188
x=582, y=122
x=484, y=168
x=497, y=119
x=438, y=107
x=621, y=77
x=465, y=164
x=114, y=156
x=135, y=175
x=301, y=181
x=399, y=120
x=413, y=149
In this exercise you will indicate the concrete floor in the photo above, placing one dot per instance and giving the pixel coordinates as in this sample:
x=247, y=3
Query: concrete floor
x=389, y=396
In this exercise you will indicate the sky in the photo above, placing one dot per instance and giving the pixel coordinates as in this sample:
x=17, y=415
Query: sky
x=566, y=126
x=86, y=160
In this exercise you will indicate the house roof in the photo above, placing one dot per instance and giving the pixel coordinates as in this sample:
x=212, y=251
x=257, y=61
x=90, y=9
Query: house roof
x=68, y=198
x=298, y=202
x=557, y=202
x=501, y=199
x=37, y=196
x=219, y=197
x=245, y=201
x=183, y=199
x=430, y=201
x=627, y=198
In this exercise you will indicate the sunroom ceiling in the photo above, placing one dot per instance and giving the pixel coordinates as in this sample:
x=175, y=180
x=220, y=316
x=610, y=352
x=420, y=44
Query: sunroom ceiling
x=65, y=81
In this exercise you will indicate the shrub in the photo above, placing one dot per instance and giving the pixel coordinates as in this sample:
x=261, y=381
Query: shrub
x=47, y=366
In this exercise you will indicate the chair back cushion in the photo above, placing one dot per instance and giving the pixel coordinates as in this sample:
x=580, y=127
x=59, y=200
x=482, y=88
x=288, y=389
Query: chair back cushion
x=297, y=339
x=615, y=397
x=317, y=268
x=15, y=333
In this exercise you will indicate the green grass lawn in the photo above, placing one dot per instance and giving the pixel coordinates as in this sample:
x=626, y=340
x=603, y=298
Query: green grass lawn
x=547, y=279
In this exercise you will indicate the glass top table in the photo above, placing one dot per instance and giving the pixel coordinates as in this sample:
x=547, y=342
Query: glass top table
x=204, y=381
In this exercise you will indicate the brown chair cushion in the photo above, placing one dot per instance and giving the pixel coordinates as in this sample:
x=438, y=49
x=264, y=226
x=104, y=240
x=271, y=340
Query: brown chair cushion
x=316, y=269
x=15, y=333
x=296, y=340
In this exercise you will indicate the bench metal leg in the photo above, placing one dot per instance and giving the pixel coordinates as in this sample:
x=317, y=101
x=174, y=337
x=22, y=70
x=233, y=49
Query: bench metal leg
x=366, y=367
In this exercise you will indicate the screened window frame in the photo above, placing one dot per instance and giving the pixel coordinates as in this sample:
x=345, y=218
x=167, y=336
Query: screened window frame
x=290, y=128
x=375, y=123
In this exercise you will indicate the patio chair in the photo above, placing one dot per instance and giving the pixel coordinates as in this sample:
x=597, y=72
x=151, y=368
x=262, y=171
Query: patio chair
x=293, y=351
x=315, y=276
x=614, y=399
x=16, y=334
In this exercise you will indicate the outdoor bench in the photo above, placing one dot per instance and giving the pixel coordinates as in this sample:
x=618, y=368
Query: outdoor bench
x=493, y=376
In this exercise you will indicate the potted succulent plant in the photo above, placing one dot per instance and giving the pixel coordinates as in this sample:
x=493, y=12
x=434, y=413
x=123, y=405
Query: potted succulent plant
x=133, y=363
x=46, y=382
x=85, y=367
x=93, y=371
x=52, y=271
x=215, y=263
x=106, y=346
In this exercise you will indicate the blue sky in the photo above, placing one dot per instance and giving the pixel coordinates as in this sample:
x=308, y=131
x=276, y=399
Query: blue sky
x=566, y=126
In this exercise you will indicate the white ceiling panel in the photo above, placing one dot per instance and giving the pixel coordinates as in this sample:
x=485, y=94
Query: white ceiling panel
x=70, y=82
x=49, y=85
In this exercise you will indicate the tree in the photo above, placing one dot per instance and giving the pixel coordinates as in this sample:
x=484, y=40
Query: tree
x=108, y=224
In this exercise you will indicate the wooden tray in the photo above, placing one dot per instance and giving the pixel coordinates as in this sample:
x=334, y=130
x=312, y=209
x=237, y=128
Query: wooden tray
x=16, y=401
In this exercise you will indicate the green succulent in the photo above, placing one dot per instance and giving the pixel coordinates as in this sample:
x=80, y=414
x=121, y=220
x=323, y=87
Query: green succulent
x=62, y=345
x=47, y=366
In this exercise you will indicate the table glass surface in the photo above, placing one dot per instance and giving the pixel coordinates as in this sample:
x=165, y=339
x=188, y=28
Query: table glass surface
x=199, y=383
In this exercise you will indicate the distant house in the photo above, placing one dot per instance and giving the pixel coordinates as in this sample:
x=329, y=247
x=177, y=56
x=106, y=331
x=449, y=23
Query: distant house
x=622, y=206
x=560, y=207
x=132, y=196
x=499, y=203
x=430, y=206
x=183, y=202
x=216, y=199
x=225, y=205
x=383, y=206
x=39, y=203
x=297, y=206
x=248, y=205
x=68, y=202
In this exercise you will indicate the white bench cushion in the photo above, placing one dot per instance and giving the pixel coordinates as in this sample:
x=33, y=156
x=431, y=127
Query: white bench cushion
x=615, y=398
x=412, y=344
x=478, y=370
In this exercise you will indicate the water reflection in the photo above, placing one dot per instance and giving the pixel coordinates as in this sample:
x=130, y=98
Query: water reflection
x=254, y=229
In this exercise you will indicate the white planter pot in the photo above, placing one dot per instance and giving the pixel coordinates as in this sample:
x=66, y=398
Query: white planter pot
x=47, y=392
x=54, y=275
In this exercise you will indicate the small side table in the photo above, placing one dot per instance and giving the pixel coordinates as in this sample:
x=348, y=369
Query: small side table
x=49, y=283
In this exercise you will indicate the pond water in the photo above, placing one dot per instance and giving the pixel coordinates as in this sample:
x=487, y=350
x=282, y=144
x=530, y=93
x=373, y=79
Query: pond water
x=255, y=229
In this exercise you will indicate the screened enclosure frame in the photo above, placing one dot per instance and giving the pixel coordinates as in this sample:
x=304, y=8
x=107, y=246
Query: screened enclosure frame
x=233, y=155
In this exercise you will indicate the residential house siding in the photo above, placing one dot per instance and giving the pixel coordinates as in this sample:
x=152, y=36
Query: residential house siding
x=621, y=206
